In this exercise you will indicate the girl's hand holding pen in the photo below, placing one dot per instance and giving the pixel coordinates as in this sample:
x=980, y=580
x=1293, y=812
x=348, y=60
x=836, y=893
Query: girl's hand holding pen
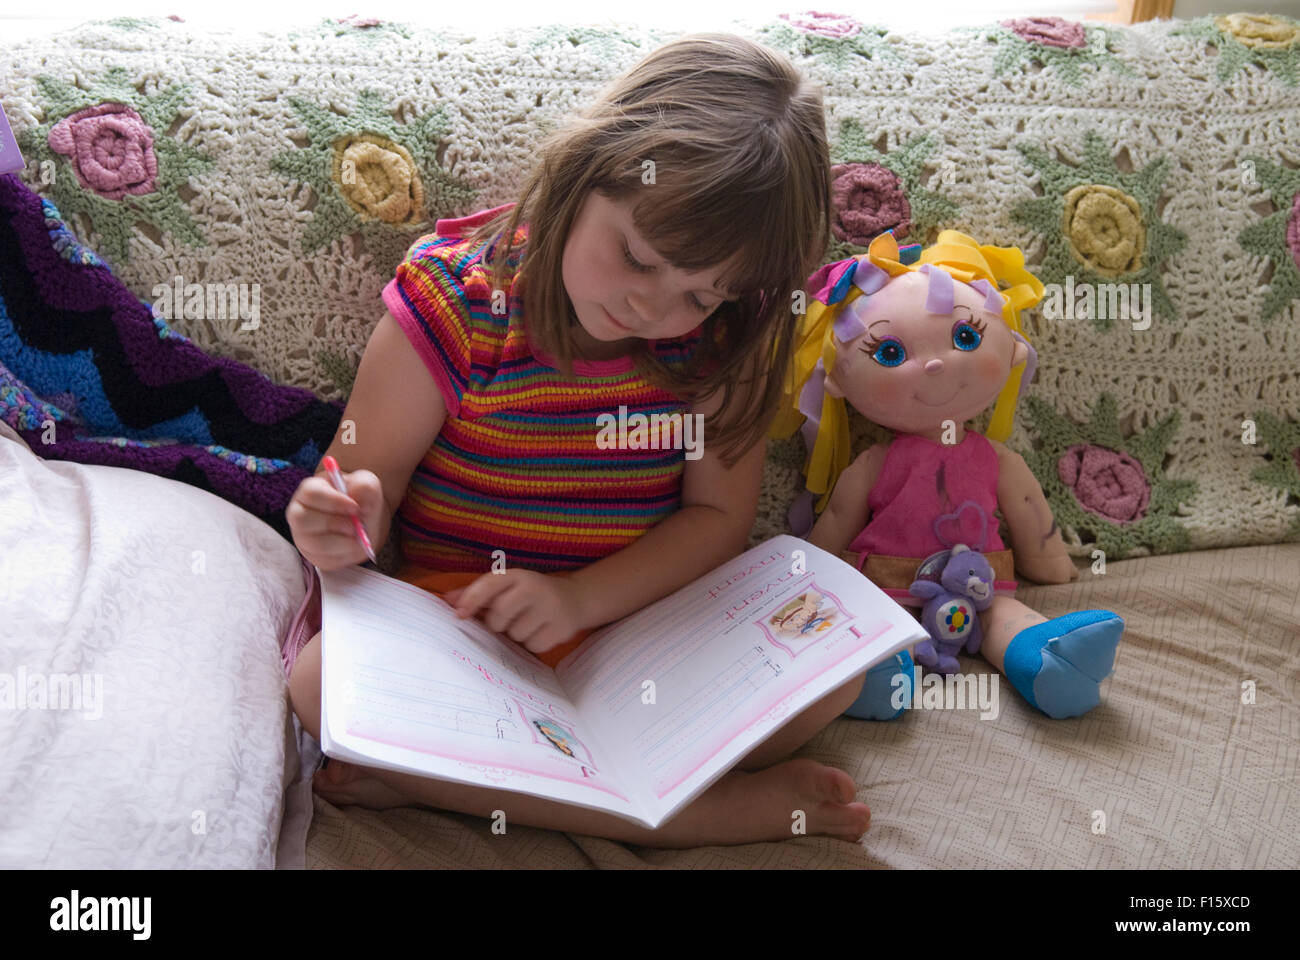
x=321, y=518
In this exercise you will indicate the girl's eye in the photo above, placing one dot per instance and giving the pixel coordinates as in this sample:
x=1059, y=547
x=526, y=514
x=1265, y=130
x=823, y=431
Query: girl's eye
x=642, y=268
x=965, y=337
x=634, y=264
x=888, y=353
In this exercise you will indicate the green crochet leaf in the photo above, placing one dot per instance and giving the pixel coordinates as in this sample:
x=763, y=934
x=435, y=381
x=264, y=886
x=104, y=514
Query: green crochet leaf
x=839, y=53
x=1267, y=237
x=1234, y=55
x=1279, y=441
x=1015, y=52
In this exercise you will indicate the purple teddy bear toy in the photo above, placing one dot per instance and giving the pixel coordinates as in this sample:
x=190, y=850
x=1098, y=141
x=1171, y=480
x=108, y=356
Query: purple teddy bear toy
x=953, y=597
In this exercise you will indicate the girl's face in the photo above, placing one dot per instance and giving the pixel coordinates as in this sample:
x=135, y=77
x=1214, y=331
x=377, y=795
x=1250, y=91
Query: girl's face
x=913, y=369
x=613, y=297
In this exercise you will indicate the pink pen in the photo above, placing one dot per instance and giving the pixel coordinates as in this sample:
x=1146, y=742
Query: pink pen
x=332, y=471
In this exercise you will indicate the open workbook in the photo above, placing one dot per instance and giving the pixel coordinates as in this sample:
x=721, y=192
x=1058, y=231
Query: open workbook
x=637, y=721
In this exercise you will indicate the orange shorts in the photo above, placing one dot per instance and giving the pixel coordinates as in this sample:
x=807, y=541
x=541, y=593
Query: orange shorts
x=306, y=622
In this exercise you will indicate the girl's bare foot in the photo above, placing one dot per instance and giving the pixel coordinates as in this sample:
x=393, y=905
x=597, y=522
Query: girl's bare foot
x=766, y=805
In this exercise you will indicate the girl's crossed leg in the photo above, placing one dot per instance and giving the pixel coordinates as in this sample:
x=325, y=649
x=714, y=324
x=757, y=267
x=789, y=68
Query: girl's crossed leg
x=759, y=800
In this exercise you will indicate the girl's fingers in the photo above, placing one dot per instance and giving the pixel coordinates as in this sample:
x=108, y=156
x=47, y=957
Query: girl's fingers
x=365, y=489
x=530, y=630
x=506, y=608
x=480, y=593
x=327, y=525
x=335, y=546
x=330, y=525
x=317, y=493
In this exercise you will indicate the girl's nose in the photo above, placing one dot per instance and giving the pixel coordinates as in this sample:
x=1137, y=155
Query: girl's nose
x=643, y=309
x=934, y=365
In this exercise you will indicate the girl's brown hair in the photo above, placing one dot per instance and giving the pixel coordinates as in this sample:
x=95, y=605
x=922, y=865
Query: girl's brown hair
x=740, y=166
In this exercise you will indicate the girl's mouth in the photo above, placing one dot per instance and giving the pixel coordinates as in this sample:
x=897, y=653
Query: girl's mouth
x=612, y=320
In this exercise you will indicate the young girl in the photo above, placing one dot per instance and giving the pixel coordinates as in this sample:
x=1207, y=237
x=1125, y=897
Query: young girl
x=649, y=265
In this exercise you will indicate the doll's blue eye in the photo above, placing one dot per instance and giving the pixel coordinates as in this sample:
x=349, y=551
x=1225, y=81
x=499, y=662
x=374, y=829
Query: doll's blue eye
x=889, y=354
x=965, y=337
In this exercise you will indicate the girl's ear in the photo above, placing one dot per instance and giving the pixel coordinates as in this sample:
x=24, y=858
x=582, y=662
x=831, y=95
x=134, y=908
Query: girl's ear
x=832, y=387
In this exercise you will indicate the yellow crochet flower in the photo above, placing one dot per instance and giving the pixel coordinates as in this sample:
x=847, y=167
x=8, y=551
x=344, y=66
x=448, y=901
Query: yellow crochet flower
x=1260, y=31
x=378, y=178
x=1104, y=227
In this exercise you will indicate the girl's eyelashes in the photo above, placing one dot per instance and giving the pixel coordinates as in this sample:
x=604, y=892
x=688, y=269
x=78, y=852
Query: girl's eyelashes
x=643, y=268
x=633, y=263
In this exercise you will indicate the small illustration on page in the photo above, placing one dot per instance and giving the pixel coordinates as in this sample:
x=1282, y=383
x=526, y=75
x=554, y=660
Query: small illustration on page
x=802, y=621
x=546, y=730
x=556, y=735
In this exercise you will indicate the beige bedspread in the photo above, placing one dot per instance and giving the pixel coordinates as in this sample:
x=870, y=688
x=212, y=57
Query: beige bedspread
x=1184, y=774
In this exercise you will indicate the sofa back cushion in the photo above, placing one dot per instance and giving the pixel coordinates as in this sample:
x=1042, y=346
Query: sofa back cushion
x=1150, y=168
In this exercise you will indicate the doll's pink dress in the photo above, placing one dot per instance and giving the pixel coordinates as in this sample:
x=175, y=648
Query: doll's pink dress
x=919, y=481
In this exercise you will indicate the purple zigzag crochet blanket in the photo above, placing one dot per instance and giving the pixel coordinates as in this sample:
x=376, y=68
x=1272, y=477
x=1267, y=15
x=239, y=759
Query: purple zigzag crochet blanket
x=88, y=373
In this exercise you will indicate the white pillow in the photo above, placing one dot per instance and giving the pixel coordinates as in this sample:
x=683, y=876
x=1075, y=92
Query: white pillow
x=171, y=742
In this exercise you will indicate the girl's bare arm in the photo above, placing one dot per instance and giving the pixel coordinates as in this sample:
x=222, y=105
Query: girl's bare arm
x=392, y=418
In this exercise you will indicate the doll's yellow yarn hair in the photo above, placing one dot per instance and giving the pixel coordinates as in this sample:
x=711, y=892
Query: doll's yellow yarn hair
x=962, y=257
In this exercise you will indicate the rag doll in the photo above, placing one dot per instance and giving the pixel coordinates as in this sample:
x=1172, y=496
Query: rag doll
x=921, y=342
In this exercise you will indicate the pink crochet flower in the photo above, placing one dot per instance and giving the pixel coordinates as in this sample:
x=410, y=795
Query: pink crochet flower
x=353, y=20
x=111, y=149
x=1106, y=482
x=834, y=25
x=1050, y=31
x=1293, y=230
x=868, y=200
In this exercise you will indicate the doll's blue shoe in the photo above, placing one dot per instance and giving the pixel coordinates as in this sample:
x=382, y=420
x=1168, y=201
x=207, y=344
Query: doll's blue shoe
x=1058, y=665
x=880, y=693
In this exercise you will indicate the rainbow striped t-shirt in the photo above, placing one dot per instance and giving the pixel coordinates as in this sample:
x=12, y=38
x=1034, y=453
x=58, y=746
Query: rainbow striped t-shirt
x=517, y=465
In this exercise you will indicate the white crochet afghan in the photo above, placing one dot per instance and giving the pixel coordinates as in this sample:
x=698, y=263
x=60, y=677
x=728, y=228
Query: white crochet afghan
x=1161, y=157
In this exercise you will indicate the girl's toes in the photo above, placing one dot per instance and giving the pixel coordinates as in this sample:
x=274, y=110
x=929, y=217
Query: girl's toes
x=320, y=784
x=841, y=786
x=841, y=816
x=852, y=822
x=819, y=782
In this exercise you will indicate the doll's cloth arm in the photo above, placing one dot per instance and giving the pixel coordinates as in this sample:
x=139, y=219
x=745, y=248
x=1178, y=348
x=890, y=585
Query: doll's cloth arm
x=847, y=513
x=1035, y=538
